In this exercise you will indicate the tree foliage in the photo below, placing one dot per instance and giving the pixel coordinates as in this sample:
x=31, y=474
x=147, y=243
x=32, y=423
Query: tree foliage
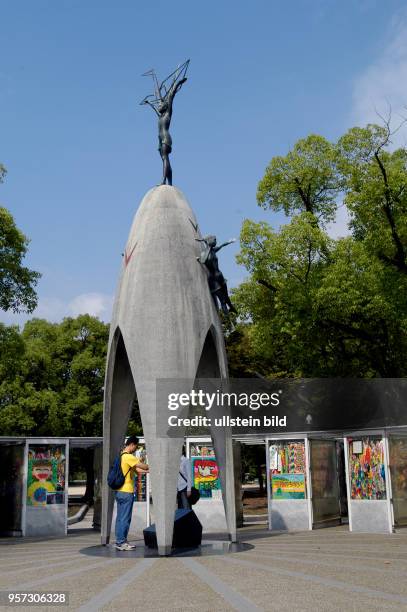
x=17, y=282
x=306, y=179
x=376, y=192
x=52, y=376
x=314, y=306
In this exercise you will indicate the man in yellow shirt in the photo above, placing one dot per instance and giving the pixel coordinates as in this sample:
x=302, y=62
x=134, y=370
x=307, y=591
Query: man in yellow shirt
x=125, y=495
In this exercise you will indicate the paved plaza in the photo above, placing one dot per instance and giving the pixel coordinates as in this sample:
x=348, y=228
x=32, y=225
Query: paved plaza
x=327, y=569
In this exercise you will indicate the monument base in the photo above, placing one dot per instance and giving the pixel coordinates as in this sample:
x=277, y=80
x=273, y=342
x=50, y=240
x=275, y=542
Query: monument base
x=187, y=533
x=208, y=548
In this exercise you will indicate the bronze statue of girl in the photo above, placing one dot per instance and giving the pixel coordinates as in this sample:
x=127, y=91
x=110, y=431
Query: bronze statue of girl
x=216, y=280
x=161, y=102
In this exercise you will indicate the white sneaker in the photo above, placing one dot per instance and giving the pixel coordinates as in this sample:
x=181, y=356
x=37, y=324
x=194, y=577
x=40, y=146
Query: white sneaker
x=132, y=546
x=124, y=546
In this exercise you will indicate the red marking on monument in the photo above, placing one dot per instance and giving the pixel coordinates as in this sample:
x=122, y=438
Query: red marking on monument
x=128, y=257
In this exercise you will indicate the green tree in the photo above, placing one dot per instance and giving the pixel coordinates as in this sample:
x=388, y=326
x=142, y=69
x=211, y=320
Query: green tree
x=314, y=306
x=242, y=360
x=12, y=350
x=375, y=183
x=52, y=376
x=306, y=179
x=17, y=282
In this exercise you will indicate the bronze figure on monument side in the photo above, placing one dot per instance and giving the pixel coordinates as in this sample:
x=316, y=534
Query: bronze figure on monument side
x=161, y=102
x=216, y=280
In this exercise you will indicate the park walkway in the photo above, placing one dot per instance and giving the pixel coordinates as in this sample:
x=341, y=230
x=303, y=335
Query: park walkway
x=328, y=569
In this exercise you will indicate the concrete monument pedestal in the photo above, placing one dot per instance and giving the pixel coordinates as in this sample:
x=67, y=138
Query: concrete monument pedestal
x=164, y=326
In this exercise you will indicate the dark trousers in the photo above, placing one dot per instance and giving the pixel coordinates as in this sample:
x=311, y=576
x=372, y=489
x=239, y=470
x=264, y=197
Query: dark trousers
x=183, y=501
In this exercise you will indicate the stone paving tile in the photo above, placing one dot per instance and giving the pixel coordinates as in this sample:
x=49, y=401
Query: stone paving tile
x=369, y=562
x=357, y=574
x=376, y=567
x=39, y=570
x=82, y=586
x=275, y=592
x=168, y=586
x=22, y=561
x=359, y=546
x=343, y=559
x=334, y=552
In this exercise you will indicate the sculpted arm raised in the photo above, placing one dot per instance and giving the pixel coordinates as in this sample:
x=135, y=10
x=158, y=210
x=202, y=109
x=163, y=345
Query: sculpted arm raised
x=162, y=101
x=218, y=248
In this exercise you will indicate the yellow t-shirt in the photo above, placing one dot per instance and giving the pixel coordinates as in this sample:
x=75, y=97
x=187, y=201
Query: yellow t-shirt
x=128, y=461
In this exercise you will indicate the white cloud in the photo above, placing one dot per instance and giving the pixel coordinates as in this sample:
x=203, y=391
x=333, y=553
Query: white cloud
x=339, y=227
x=383, y=85
x=96, y=304
x=54, y=309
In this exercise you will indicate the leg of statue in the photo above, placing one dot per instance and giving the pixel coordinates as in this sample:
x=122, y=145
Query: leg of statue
x=164, y=177
x=167, y=170
x=165, y=150
x=229, y=303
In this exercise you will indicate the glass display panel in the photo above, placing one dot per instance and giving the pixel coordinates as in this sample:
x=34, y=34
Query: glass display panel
x=287, y=470
x=11, y=487
x=398, y=471
x=46, y=474
x=205, y=470
x=324, y=480
x=367, y=468
x=140, y=480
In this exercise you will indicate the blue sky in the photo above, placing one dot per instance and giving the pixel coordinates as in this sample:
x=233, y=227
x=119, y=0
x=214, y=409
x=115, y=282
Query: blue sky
x=81, y=152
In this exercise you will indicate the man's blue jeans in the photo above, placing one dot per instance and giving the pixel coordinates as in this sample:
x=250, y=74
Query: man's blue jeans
x=124, y=503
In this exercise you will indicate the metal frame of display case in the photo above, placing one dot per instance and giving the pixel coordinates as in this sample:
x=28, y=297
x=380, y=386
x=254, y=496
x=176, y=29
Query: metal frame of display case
x=44, y=442
x=295, y=437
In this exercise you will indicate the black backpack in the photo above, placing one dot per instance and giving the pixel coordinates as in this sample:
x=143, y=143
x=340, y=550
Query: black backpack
x=195, y=493
x=115, y=476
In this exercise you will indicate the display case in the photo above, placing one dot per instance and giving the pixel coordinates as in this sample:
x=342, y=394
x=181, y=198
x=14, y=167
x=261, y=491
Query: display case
x=206, y=478
x=324, y=482
x=12, y=490
x=141, y=506
x=45, y=508
x=287, y=484
x=205, y=471
x=398, y=476
x=140, y=480
x=368, y=483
